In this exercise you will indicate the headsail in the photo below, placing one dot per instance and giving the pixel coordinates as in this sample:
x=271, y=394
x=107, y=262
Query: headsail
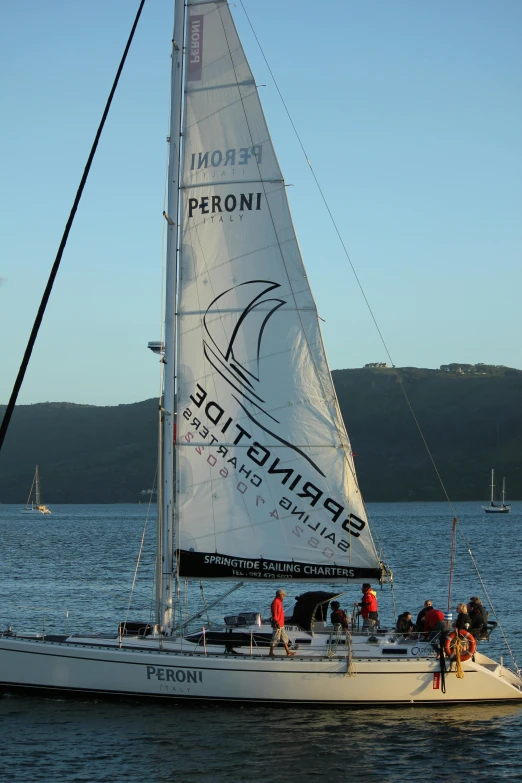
x=266, y=480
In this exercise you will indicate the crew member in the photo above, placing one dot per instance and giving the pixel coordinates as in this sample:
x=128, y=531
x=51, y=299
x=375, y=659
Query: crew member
x=369, y=608
x=278, y=623
x=434, y=623
x=338, y=617
x=419, y=624
x=479, y=617
x=404, y=624
x=463, y=621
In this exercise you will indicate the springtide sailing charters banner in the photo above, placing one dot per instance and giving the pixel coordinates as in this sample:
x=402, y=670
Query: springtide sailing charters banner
x=265, y=477
x=218, y=566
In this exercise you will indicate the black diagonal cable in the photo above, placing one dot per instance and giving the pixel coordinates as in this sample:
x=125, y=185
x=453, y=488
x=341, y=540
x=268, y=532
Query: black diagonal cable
x=54, y=271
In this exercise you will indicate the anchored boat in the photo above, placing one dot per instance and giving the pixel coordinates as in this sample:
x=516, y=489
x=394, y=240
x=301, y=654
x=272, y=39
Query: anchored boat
x=258, y=481
x=36, y=504
x=497, y=508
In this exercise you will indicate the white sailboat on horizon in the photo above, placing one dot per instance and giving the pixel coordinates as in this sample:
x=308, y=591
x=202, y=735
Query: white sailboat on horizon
x=37, y=504
x=497, y=508
x=257, y=479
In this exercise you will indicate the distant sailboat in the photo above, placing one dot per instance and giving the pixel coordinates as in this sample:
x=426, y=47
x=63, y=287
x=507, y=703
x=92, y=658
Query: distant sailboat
x=497, y=508
x=37, y=504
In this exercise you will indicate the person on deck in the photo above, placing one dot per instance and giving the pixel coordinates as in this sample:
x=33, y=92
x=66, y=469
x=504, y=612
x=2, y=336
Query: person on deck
x=419, y=623
x=485, y=614
x=463, y=621
x=479, y=617
x=369, y=607
x=434, y=623
x=404, y=624
x=338, y=617
x=278, y=623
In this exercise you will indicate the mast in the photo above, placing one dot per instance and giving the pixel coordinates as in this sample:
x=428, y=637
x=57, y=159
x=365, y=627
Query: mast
x=37, y=478
x=504, y=491
x=166, y=504
x=492, y=485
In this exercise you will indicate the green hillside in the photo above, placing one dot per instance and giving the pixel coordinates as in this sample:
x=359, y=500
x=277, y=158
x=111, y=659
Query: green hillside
x=86, y=454
x=472, y=422
x=470, y=416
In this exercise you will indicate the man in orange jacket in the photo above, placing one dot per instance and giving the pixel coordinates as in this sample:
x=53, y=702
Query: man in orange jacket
x=278, y=623
x=369, y=607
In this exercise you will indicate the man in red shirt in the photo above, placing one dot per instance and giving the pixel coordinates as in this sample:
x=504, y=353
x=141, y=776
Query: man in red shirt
x=278, y=623
x=434, y=623
x=369, y=607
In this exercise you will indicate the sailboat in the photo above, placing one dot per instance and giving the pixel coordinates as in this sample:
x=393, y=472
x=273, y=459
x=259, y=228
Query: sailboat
x=497, y=508
x=258, y=482
x=37, y=504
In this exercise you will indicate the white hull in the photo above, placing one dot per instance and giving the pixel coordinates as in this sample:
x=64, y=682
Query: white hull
x=103, y=668
x=38, y=510
x=500, y=508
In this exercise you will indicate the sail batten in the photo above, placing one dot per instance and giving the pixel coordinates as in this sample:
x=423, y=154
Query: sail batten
x=265, y=477
x=234, y=182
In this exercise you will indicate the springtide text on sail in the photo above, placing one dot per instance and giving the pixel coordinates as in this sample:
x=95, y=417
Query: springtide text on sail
x=260, y=456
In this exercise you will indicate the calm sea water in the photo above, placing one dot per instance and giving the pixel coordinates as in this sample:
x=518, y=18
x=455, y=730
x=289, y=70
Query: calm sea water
x=74, y=570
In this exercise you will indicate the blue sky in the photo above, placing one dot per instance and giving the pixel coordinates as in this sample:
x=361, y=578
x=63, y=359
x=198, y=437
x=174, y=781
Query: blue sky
x=411, y=113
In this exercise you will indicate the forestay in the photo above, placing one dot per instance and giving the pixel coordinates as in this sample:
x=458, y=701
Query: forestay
x=266, y=485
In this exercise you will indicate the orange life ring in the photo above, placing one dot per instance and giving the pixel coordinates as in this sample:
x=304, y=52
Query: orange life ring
x=449, y=644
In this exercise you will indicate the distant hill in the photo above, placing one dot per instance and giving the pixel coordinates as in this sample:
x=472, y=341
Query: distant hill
x=470, y=416
x=471, y=420
x=86, y=453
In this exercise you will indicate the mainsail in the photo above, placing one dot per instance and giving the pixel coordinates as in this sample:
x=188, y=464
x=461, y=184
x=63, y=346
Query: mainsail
x=266, y=485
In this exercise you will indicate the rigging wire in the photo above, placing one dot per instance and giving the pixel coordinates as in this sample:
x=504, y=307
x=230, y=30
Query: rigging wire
x=54, y=271
x=31, y=490
x=204, y=601
x=452, y=560
x=394, y=603
x=139, y=555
